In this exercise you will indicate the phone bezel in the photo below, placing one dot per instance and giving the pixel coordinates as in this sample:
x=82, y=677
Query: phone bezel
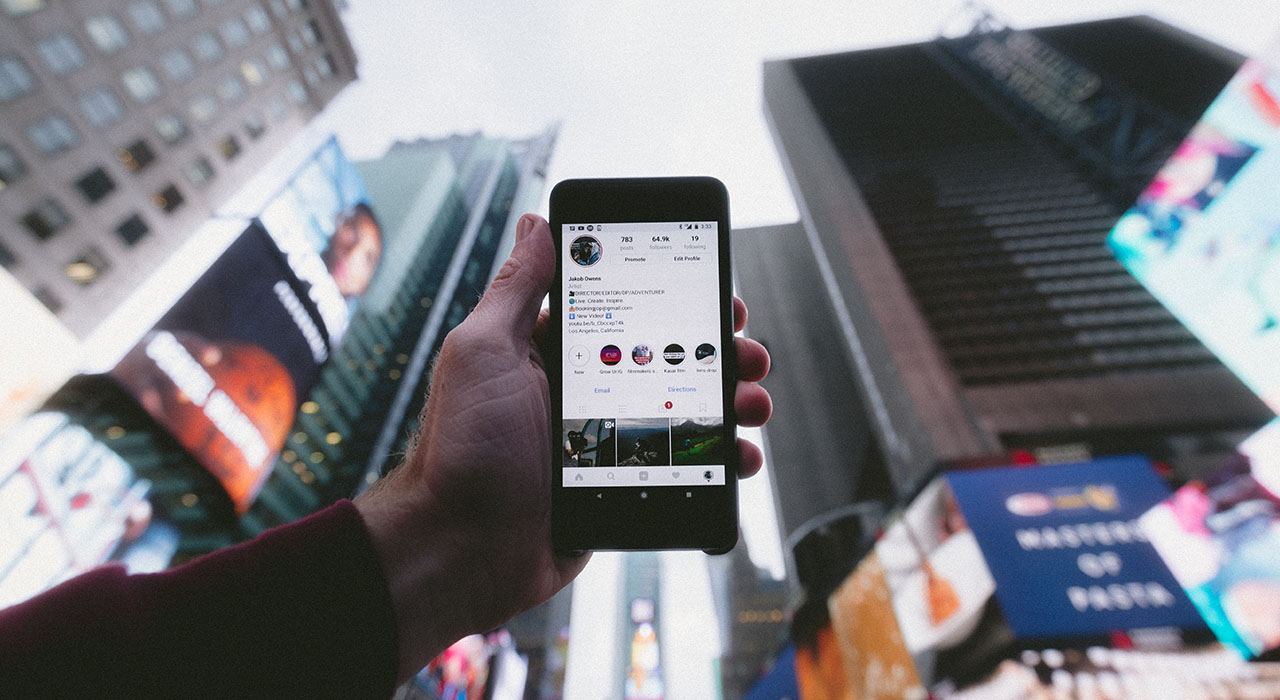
x=618, y=518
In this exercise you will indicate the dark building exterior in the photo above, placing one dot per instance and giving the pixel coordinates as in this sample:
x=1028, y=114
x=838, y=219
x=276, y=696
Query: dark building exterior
x=956, y=196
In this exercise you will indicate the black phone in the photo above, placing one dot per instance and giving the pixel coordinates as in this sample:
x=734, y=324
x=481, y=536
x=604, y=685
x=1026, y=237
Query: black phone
x=642, y=366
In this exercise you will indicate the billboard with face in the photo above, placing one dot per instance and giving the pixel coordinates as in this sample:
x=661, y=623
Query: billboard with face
x=323, y=223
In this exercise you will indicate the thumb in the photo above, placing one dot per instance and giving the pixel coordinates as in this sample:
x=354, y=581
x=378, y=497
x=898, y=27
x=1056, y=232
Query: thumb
x=511, y=303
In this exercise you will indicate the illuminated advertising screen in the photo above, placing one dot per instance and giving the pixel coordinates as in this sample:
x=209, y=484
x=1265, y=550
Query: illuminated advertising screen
x=1066, y=554
x=223, y=368
x=1221, y=538
x=67, y=502
x=323, y=223
x=1204, y=237
x=984, y=563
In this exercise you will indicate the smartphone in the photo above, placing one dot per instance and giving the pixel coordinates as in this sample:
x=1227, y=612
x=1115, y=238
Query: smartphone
x=642, y=366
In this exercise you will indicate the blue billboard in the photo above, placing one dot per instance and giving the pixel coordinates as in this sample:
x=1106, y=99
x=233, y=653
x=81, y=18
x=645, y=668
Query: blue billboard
x=1065, y=549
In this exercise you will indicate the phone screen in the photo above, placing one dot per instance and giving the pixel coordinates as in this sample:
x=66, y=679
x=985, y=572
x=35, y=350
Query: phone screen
x=642, y=380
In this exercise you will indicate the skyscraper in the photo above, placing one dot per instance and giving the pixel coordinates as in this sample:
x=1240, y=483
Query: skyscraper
x=125, y=124
x=956, y=196
x=448, y=210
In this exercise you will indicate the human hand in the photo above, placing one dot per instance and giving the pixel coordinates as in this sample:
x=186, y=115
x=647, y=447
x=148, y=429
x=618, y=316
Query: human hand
x=462, y=527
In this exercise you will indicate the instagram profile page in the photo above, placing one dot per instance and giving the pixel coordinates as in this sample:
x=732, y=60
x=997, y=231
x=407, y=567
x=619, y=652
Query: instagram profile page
x=642, y=402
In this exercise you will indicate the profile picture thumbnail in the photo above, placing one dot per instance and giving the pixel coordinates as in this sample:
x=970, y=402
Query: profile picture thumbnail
x=586, y=250
x=589, y=442
x=706, y=353
x=610, y=355
x=641, y=354
x=673, y=354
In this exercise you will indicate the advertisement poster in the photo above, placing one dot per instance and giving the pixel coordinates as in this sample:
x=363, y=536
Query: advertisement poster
x=1204, y=237
x=866, y=624
x=323, y=222
x=1221, y=538
x=223, y=368
x=1065, y=550
x=67, y=502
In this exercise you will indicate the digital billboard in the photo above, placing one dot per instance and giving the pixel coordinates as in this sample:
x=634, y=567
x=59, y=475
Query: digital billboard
x=1204, y=237
x=1221, y=538
x=323, y=223
x=223, y=368
x=986, y=565
x=67, y=501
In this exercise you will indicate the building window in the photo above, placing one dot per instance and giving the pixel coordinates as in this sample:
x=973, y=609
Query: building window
x=101, y=107
x=136, y=156
x=199, y=171
x=295, y=43
x=277, y=57
x=48, y=298
x=167, y=199
x=254, y=126
x=176, y=64
x=231, y=90
x=253, y=71
x=234, y=33
x=324, y=64
x=276, y=109
x=132, y=229
x=141, y=84
x=146, y=17
x=12, y=168
x=52, y=135
x=181, y=8
x=203, y=108
x=107, y=33
x=257, y=19
x=87, y=267
x=206, y=47
x=229, y=147
x=172, y=129
x=95, y=185
x=311, y=76
x=21, y=7
x=46, y=219
x=310, y=33
x=297, y=93
x=277, y=7
x=61, y=53
x=7, y=259
x=293, y=5
x=15, y=79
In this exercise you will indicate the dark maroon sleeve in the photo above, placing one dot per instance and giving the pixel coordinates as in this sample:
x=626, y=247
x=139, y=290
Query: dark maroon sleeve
x=302, y=611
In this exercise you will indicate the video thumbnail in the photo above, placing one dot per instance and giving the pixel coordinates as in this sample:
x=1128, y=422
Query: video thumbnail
x=697, y=441
x=590, y=442
x=644, y=442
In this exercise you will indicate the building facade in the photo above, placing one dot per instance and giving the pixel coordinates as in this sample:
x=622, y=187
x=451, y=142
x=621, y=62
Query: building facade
x=956, y=196
x=125, y=124
x=448, y=211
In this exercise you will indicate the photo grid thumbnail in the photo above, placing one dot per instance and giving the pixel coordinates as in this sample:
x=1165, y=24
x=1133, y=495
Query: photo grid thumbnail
x=642, y=442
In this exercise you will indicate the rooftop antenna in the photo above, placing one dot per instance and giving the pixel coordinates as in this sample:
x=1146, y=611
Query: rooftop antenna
x=970, y=18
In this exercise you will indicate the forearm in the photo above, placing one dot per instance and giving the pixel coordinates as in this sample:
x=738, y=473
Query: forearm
x=432, y=589
x=302, y=611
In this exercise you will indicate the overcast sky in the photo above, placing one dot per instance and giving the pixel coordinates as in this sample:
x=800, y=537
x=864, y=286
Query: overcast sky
x=659, y=87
